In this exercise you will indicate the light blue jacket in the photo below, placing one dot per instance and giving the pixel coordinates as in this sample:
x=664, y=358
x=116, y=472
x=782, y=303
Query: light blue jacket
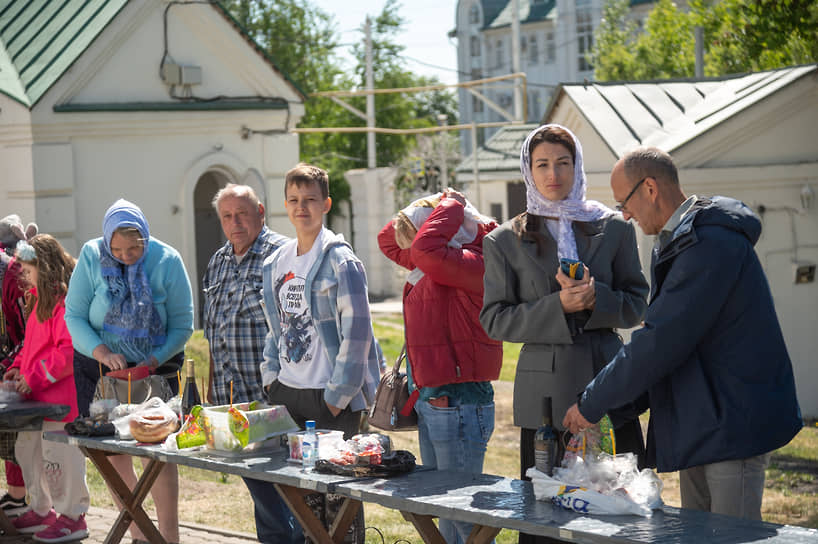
x=87, y=300
x=339, y=305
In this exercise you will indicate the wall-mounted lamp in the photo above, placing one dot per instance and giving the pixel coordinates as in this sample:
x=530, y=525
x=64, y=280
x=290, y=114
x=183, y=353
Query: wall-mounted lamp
x=807, y=197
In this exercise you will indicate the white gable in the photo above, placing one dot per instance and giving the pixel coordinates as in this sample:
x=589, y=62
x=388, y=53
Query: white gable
x=123, y=64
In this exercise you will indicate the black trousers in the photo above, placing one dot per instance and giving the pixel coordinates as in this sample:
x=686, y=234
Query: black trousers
x=304, y=404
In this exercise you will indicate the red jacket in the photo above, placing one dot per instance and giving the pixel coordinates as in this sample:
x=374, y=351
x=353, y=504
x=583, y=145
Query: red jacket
x=444, y=339
x=13, y=303
x=47, y=360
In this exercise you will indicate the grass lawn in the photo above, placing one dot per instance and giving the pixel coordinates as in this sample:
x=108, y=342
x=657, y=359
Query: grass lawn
x=791, y=495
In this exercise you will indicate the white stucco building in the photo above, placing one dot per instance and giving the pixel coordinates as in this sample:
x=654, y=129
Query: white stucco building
x=555, y=36
x=751, y=137
x=158, y=102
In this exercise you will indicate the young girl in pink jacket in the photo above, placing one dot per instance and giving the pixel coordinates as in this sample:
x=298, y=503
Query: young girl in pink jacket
x=43, y=371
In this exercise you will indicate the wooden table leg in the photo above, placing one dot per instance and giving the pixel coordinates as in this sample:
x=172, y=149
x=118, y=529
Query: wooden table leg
x=426, y=527
x=346, y=515
x=313, y=528
x=480, y=534
x=131, y=500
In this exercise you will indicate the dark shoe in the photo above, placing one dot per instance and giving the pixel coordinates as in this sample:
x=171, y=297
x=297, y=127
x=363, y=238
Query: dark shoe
x=13, y=507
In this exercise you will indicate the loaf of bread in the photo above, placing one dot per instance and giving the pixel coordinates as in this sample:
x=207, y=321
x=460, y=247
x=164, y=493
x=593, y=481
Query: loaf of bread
x=152, y=429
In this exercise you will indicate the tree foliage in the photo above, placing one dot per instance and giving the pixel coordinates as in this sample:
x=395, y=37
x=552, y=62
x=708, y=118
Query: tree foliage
x=739, y=36
x=302, y=41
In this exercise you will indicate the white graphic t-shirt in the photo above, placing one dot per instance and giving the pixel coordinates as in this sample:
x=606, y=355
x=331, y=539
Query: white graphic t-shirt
x=304, y=364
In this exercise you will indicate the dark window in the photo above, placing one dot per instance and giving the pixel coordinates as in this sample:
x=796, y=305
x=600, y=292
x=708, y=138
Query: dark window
x=474, y=44
x=496, y=211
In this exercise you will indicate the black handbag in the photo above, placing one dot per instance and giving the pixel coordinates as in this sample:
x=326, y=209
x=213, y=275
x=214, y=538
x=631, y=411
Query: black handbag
x=391, y=398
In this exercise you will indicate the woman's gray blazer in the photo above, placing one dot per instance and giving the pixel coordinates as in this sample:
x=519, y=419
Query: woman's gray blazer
x=522, y=304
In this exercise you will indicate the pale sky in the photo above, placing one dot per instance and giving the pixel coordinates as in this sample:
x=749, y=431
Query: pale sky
x=428, y=23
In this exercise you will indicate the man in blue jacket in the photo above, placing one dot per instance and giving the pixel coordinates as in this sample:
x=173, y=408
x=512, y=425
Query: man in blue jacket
x=710, y=361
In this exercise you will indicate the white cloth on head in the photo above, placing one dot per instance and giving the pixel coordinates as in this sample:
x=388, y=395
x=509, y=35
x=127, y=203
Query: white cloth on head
x=418, y=213
x=574, y=207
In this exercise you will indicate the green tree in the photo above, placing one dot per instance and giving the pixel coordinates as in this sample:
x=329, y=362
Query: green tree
x=739, y=36
x=302, y=41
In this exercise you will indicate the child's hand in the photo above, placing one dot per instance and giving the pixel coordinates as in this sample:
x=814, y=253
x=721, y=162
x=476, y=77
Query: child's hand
x=22, y=385
x=11, y=374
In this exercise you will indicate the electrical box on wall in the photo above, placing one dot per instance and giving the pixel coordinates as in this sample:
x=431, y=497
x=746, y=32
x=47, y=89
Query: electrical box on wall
x=177, y=74
x=804, y=272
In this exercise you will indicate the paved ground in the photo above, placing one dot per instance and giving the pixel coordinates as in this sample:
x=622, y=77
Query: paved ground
x=100, y=521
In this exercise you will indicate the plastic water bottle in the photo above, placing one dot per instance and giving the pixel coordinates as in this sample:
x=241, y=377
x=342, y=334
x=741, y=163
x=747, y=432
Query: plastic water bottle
x=309, y=447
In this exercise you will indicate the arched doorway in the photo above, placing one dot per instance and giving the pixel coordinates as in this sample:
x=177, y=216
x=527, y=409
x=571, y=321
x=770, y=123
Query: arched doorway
x=209, y=235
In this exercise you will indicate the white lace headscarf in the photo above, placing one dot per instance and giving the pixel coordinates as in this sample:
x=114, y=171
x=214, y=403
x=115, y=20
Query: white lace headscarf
x=419, y=211
x=574, y=207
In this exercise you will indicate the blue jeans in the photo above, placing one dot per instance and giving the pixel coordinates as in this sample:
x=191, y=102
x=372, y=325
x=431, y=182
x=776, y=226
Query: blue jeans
x=454, y=438
x=274, y=521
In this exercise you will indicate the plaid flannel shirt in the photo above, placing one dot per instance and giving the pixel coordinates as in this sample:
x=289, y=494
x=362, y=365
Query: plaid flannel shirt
x=234, y=322
x=340, y=310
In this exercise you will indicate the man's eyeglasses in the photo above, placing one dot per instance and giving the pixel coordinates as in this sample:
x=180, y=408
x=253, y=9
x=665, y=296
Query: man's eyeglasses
x=621, y=207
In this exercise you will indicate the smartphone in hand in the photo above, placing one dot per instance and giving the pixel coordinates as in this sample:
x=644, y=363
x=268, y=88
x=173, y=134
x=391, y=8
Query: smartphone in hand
x=572, y=268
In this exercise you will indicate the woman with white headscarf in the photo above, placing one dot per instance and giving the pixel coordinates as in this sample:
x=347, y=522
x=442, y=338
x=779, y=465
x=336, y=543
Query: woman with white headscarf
x=568, y=326
x=451, y=361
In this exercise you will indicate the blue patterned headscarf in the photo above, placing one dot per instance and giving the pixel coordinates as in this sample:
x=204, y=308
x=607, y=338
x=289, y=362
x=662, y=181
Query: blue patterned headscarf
x=132, y=322
x=574, y=207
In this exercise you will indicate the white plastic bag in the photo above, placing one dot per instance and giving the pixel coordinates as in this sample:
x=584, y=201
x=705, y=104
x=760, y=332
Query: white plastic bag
x=608, y=485
x=154, y=407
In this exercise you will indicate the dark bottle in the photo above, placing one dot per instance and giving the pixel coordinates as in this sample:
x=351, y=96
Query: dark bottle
x=190, y=396
x=545, y=441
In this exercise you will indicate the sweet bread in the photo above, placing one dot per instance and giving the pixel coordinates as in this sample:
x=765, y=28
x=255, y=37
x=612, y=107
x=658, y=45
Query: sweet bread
x=152, y=429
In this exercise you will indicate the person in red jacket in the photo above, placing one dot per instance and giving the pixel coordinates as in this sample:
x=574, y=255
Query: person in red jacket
x=452, y=361
x=44, y=371
x=12, y=331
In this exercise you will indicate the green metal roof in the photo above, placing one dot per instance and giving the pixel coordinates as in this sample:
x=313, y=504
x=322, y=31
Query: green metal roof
x=501, y=153
x=205, y=105
x=41, y=39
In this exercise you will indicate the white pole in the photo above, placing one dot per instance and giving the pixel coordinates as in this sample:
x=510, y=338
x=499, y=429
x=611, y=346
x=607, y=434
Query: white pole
x=370, y=99
x=443, y=121
x=475, y=168
x=515, y=59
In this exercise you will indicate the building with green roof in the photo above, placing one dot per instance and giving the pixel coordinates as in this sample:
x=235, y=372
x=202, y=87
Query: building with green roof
x=161, y=103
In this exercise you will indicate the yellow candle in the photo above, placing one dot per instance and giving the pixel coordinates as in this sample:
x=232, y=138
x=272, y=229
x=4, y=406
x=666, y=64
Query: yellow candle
x=231, y=393
x=613, y=442
x=179, y=381
x=129, y=387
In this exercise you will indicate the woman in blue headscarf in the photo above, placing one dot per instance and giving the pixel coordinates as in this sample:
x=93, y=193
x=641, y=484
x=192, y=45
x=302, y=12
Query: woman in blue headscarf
x=568, y=325
x=129, y=303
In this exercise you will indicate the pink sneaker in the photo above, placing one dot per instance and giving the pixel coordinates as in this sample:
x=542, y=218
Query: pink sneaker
x=63, y=530
x=31, y=522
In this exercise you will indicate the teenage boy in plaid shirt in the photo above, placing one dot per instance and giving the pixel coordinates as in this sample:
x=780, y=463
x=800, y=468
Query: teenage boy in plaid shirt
x=321, y=360
x=235, y=327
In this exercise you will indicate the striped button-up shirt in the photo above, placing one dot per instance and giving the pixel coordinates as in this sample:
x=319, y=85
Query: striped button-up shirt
x=234, y=322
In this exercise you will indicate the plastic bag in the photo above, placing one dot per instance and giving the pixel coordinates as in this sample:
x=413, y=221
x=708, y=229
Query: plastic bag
x=8, y=392
x=603, y=484
x=153, y=408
